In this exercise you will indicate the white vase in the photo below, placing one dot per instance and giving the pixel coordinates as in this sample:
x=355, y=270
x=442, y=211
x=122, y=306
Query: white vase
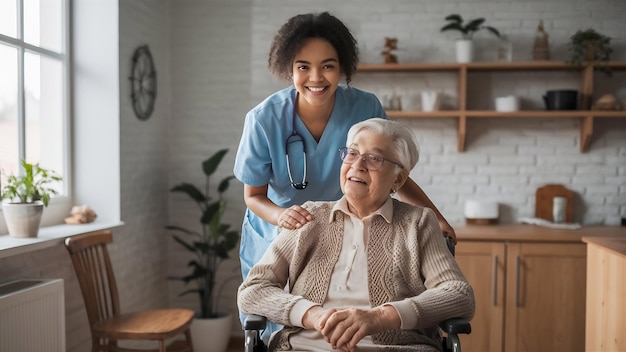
x=22, y=219
x=464, y=51
x=211, y=335
x=430, y=100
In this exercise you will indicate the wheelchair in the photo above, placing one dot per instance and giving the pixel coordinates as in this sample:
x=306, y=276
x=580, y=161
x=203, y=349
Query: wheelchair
x=254, y=324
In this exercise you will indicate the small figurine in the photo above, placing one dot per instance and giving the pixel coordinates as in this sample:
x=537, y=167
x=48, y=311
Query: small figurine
x=391, y=45
x=81, y=214
x=541, y=50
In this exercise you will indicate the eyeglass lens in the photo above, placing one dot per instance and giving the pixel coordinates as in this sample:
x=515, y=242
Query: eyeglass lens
x=350, y=156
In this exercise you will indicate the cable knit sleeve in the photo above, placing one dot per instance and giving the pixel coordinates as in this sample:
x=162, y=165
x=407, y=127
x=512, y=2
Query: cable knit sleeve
x=447, y=294
x=263, y=290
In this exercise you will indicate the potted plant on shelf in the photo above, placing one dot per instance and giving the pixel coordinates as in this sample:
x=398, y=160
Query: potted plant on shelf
x=589, y=46
x=28, y=194
x=210, y=247
x=464, y=46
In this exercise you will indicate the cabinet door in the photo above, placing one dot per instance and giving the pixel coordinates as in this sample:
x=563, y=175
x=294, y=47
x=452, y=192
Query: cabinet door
x=545, y=308
x=483, y=264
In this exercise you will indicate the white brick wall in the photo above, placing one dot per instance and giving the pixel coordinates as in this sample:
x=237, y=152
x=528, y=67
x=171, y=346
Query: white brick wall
x=211, y=58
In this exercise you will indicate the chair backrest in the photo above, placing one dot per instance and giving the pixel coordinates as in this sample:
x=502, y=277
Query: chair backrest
x=450, y=244
x=95, y=274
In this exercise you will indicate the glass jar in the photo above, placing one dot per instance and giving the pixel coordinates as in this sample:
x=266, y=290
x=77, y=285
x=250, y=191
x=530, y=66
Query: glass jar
x=505, y=50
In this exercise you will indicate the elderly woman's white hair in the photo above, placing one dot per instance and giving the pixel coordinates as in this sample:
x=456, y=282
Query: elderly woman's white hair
x=405, y=143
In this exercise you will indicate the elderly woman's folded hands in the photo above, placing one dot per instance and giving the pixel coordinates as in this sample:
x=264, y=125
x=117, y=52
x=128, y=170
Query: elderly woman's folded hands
x=344, y=328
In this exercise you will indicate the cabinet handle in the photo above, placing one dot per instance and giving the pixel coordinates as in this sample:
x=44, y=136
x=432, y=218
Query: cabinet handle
x=518, y=264
x=495, y=280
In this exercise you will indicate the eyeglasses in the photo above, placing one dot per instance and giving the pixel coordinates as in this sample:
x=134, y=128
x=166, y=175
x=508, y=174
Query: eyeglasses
x=372, y=162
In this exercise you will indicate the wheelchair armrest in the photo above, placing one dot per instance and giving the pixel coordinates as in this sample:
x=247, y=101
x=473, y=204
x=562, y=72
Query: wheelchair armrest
x=254, y=322
x=456, y=326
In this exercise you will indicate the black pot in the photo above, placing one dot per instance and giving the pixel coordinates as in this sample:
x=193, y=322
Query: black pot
x=562, y=99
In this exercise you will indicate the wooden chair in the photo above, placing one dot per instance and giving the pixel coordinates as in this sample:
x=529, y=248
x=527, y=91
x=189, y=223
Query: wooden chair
x=108, y=325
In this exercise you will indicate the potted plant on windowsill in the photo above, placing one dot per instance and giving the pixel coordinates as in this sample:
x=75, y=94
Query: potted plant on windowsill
x=28, y=194
x=210, y=247
x=464, y=46
x=589, y=46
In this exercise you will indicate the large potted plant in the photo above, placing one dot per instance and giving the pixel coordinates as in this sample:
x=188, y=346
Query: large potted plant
x=28, y=194
x=210, y=246
x=464, y=46
x=589, y=46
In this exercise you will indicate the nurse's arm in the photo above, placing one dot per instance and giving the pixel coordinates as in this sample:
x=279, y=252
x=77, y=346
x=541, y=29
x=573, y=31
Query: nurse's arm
x=411, y=193
x=290, y=218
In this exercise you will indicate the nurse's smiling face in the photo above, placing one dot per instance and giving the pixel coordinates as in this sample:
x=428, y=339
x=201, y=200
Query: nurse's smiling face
x=316, y=72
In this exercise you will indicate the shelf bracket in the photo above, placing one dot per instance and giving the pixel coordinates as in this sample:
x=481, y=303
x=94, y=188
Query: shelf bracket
x=461, y=139
x=462, y=107
x=586, y=130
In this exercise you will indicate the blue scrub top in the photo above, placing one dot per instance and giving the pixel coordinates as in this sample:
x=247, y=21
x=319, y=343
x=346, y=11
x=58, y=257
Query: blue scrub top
x=261, y=158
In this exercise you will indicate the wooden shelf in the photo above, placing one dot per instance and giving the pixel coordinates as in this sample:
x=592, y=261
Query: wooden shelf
x=461, y=69
x=499, y=114
x=484, y=66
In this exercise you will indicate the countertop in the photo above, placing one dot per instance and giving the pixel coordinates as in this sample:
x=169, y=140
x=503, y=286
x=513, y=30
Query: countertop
x=616, y=245
x=536, y=233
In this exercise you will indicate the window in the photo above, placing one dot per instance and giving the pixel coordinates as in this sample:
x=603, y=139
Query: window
x=34, y=86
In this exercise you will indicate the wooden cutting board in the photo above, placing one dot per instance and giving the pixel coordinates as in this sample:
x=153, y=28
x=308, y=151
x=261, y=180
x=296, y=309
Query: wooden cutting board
x=543, y=201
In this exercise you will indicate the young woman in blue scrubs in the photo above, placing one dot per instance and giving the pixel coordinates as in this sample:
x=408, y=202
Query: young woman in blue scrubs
x=289, y=149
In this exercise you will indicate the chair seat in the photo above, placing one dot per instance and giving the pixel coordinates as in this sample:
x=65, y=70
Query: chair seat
x=145, y=325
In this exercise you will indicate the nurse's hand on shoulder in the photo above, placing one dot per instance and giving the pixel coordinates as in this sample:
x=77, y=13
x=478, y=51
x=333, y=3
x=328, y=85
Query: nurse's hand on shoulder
x=293, y=217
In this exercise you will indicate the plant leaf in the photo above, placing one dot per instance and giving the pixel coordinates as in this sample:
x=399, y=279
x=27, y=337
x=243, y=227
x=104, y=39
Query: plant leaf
x=223, y=186
x=474, y=25
x=184, y=243
x=210, y=211
x=454, y=17
x=453, y=26
x=493, y=30
x=232, y=238
x=190, y=190
x=210, y=165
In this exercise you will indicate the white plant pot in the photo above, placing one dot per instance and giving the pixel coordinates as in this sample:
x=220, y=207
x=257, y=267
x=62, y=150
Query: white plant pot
x=211, y=335
x=464, y=51
x=22, y=219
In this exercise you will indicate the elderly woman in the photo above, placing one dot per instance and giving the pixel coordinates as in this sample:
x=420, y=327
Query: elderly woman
x=371, y=272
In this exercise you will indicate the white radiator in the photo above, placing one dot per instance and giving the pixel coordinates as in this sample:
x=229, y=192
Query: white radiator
x=32, y=316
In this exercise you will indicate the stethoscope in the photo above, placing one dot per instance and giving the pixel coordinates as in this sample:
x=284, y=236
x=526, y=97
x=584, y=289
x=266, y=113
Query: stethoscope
x=295, y=137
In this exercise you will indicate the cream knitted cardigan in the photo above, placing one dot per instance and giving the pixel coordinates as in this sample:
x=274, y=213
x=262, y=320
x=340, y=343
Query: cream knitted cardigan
x=407, y=260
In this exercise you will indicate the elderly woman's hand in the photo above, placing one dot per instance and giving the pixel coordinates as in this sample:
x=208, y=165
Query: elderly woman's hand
x=316, y=317
x=345, y=328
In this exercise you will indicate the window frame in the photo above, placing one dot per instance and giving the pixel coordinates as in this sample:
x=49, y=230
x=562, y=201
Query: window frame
x=59, y=206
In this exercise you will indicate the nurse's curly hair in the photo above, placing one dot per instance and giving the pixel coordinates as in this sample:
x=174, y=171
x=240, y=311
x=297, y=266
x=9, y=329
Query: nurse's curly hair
x=290, y=36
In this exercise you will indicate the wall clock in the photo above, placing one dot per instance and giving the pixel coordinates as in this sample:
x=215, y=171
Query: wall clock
x=143, y=80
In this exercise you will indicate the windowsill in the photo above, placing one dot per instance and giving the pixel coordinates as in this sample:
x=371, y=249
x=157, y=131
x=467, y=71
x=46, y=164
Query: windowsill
x=49, y=236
